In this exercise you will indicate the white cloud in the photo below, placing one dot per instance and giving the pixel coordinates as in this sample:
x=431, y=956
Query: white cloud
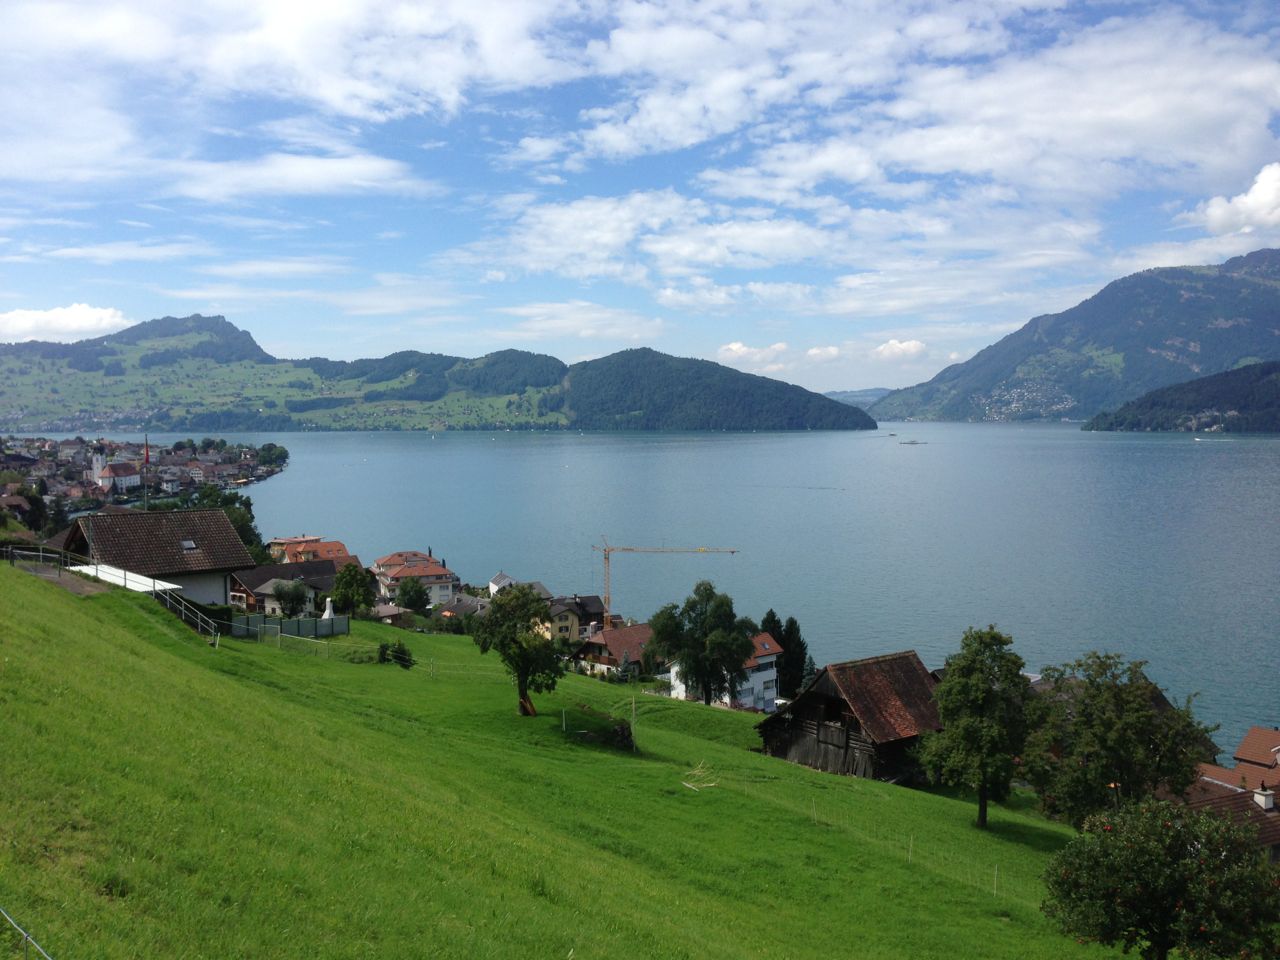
x=62, y=324
x=898, y=349
x=822, y=354
x=739, y=354
x=271, y=269
x=132, y=251
x=580, y=319
x=1258, y=207
x=290, y=174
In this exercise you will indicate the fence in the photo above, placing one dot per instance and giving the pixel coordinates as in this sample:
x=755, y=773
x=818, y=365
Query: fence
x=247, y=626
x=27, y=941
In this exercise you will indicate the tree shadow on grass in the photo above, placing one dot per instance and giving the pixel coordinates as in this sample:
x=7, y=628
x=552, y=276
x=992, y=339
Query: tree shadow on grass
x=1042, y=839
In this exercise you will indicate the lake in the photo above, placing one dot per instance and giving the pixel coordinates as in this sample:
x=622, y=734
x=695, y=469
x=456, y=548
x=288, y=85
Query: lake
x=1159, y=547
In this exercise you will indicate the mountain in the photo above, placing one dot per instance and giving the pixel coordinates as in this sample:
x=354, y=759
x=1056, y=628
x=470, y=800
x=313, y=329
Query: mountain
x=1139, y=333
x=1246, y=400
x=203, y=374
x=645, y=390
x=859, y=398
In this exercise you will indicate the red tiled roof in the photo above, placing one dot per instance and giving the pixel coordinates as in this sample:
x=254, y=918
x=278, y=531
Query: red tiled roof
x=625, y=642
x=418, y=571
x=892, y=695
x=1260, y=746
x=765, y=646
x=1237, y=804
x=1245, y=775
x=402, y=557
x=119, y=470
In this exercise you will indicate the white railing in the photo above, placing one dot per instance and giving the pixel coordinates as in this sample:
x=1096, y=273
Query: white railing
x=27, y=941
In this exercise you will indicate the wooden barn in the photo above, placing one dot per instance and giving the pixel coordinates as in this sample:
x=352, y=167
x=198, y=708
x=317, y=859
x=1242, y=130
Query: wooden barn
x=859, y=718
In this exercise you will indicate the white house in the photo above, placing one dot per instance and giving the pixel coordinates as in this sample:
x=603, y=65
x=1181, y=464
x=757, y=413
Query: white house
x=760, y=691
x=441, y=583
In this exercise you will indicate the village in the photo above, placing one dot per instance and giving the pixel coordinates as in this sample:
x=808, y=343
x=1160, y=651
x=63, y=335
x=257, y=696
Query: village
x=860, y=718
x=79, y=475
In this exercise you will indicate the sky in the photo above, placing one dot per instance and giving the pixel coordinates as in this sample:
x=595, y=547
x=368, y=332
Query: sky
x=836, y=194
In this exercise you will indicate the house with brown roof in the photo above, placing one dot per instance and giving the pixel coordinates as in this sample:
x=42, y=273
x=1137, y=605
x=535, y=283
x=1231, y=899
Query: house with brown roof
x=252, y=589
x=196, y=549
x=860, y=718
x=440, y=583
x=615, y=649
x=1245, y=792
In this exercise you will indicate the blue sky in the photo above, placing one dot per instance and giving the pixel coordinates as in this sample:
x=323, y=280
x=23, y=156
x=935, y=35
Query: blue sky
x=840, y=195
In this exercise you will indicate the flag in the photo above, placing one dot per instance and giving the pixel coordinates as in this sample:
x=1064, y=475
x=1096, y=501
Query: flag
x=146, y=450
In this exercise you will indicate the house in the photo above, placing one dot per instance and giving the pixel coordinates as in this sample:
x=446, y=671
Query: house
x=251, y=588
x=304, y=548
x=463, y=605
x=269, y=605
x=1245, y=792
x=119, y=478
x=858, y=718
x=440, y=583
x=619, y=649
x=196, y=549
x=759, y=691
x=573, y=618
x=499, y=582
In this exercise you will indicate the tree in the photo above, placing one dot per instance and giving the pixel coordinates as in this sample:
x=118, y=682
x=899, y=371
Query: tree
x=292, y=598
x=1160, y=876
x=1104, y=733
x=57, y=519
x=982, y=703
x=516, y=627
x=810, y=671
x=36, y=514
x=705, y=640
x=412, y=595
x=795, y=652
x=352, y=589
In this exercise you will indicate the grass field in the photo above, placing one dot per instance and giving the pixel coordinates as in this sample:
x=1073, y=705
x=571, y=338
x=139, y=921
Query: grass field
x=161, y=798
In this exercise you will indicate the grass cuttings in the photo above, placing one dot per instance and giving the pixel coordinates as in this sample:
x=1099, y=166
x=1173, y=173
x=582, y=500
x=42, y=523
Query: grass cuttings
x=161, y=798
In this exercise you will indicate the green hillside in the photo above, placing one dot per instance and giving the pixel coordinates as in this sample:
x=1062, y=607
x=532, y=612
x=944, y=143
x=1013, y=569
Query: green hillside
x=1145, y=331
x=1238, y=401
x=203, y=374
x=646, y=390
x=162, y=798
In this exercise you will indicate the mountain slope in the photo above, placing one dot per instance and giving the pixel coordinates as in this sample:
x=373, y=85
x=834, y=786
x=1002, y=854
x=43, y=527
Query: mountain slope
x=1246, y=400
x=645, y=390
x=201, y=374
x=163, y=799
x=1145, y=331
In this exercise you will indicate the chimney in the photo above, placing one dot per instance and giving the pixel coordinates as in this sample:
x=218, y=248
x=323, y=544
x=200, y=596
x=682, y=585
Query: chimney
x=1264, y=798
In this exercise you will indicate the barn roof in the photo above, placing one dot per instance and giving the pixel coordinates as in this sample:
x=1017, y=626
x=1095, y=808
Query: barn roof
x=161, y=542
x=891, y=695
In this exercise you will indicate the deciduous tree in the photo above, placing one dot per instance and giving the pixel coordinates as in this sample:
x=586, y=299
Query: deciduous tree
x=1159, y=876
x=352, y=589
x=982, y=703
x=515, y=627
x=412, y=595
x=706, y=640
x=1104, y=733
x=292, y=598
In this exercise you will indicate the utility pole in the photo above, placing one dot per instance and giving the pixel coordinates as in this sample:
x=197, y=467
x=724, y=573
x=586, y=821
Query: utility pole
x=608, y=551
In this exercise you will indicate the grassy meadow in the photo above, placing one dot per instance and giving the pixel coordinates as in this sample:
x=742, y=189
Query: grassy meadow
x=162, y=798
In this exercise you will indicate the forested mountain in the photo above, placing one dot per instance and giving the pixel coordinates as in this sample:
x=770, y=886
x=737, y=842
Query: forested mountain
x=203, y=373
x=1142, y=332
x=646, y=390
x=1246, y=400
x=859, y=398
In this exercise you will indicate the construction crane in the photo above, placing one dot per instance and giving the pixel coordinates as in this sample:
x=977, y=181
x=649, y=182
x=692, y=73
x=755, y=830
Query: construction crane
x=609, y=551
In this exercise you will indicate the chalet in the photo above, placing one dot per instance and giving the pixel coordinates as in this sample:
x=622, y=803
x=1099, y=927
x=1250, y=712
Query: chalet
x=618, y=649
x=440, y=582
x=858, y=718
x=196, y=549
x=759, y=691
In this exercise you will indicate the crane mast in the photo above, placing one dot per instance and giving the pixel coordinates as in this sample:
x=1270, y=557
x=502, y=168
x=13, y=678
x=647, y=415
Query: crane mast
x=609, y=550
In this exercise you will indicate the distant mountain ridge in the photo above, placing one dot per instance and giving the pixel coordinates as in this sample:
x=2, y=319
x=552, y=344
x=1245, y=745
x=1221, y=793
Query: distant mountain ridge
x=202, y=373
x=1139, y=333
x=1246, y=400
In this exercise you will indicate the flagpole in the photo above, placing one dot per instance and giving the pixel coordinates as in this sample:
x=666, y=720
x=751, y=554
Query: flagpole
x=146, y=460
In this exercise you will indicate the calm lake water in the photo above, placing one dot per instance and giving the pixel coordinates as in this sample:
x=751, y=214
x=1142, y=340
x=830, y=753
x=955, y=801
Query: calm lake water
x=1159, y=547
